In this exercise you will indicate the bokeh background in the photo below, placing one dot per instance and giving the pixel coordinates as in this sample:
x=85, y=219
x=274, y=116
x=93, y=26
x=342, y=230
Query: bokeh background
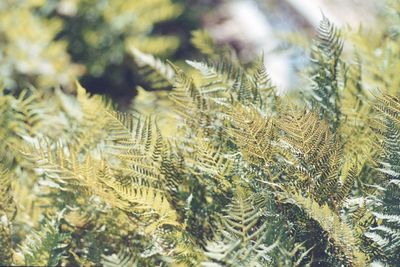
x=51, y=43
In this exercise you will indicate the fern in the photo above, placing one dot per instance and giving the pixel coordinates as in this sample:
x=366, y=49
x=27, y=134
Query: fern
x=245, y=235
x=46, y=246
x=189, y=101
x=326, y=83
x=49, y=66
x=254, y=135
x=6, y=208
x=338, y=232
x=246, y=178
x=121, y=260
x=156, y=74
x=386, y=234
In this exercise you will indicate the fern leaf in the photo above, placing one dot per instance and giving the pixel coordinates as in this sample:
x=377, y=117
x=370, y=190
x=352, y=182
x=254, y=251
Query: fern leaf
x=347, y=184
x=329, y=38
x=242, y=237
x=156, y=74
x=190, y=102
x=254, y=134
x=309, y=141
x=326, y=75
x=264, y=91
x=121, y=259
x=338, y=232
x=6, y=207
x=212, y=161
x=47, y=246
x=389, y=106
x=387, y=212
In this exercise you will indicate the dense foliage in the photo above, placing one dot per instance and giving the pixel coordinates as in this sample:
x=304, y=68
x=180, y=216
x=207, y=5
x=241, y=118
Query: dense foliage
x=223, y=172
x=50, y=43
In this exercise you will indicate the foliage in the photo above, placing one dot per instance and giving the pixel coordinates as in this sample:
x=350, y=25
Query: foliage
x=100, y=34
x=49, y=44
x=29, y=60
x=246, y=177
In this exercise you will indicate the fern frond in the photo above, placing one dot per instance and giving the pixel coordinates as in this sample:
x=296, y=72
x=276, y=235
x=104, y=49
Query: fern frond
x=211, y=161
x=304, y=132
x=340, y=234
x=329, y=38
x=244, y=236
x=326, y=75
x=130, y=136
x=144, y=198
x=349, y=177
x=122, y=259
x=308, y=140
x=261, y=78
x=254, y=134
x=74, y=174
x=386, y=235
x=47, y=246
x=190, y=102
x=156, y=75
x=389, y=106
x=219, y=75
x=246, y=91
x=6, y=209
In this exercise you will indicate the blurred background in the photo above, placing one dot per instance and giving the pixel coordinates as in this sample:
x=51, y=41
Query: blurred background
x=252, y=26
x=51, y=43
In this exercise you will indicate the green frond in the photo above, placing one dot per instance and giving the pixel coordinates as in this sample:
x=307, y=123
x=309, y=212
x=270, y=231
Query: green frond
x=337, y=231
x=156, y=75
x=254, y=135
x=28, y=114
x=329, y=39
x=349, y=177
x=327, y=183
x=389, y=106
x=224, y=78
x=326, y=75
x=46, y=246
x=386, y=235
x=218, y=75
x=261, y=78
x=186, y=251
x=304, y=132
x=212, y=162
x=145, y=199
x=121, y=259
x=72, y=173
x=245, y=236
x=308, y=140
x=246, y=91
x=189, y=100
x=6, y=210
